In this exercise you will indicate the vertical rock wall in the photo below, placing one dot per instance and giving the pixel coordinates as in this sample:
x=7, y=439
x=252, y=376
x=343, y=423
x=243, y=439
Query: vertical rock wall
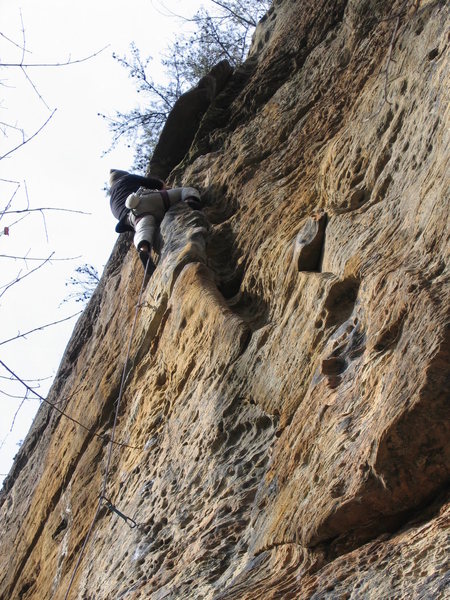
x=284, y=427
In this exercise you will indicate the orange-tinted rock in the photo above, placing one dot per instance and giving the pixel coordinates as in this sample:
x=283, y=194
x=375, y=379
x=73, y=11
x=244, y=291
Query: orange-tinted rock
x=285, y=433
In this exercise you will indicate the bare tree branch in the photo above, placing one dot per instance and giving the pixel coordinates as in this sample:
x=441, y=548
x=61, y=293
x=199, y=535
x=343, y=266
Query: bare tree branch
x=8, y=204
x=61, y=412
x=24, y=399
x=23, y=335
x=39, y=95
x=17, y=221
x=57, y=64
x=10, y=181
x=18, y=278
x=30, y=380
x=45, y=224
x=25, y=141
x=239, y=17
x=137, y=70
x=169, y=12
x=29, y=210
x=9, y=126
x=13, y=42
x=15, y=396
x=24, y=45
x=21, y=60
x=25, y=258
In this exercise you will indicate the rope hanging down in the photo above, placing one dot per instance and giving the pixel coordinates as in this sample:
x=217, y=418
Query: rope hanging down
x=102, y=496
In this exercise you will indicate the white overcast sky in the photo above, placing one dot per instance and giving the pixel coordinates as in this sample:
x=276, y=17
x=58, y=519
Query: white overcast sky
x=62, y=167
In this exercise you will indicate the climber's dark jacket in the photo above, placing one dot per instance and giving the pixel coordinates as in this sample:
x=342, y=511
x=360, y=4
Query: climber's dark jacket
x=122, y=189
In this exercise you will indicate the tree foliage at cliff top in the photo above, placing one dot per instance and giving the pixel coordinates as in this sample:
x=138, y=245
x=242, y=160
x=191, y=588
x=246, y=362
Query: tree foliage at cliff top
x=221, y=30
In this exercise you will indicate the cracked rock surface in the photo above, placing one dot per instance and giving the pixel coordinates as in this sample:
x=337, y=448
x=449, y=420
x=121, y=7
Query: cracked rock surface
x=284, y=427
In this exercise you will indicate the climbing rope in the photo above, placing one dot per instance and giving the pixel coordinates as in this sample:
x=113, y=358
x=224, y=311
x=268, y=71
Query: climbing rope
x=102, y=497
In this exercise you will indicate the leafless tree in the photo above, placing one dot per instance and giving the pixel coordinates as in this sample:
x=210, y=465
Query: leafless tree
x=25, y=67
x=15, y=205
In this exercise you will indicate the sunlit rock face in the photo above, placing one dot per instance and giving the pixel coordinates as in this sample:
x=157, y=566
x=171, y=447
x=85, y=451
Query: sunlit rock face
x=284, y=424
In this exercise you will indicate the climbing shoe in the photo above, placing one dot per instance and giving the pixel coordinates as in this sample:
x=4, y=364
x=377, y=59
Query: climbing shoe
x=144, y=255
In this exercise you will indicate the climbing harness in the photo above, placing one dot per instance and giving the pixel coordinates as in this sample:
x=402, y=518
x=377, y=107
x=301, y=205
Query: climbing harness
x=102, y=497
x=165, y=198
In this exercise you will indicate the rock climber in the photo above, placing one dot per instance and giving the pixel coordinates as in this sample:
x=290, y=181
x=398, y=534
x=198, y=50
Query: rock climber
x=140, y=203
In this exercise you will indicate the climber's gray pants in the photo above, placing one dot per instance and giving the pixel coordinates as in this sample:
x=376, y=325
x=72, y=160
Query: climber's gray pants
x=148, y=207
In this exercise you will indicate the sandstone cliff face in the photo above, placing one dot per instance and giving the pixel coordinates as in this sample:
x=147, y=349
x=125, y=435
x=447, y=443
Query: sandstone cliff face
x=285, y=415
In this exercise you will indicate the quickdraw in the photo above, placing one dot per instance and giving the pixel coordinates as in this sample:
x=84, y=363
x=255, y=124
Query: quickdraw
x=110, y=506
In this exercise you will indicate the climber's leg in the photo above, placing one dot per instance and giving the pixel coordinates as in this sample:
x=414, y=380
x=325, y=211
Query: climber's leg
x=144, y=228
x=144, y=235
x=158, y=202
x=185, y=194
x=147, y=202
